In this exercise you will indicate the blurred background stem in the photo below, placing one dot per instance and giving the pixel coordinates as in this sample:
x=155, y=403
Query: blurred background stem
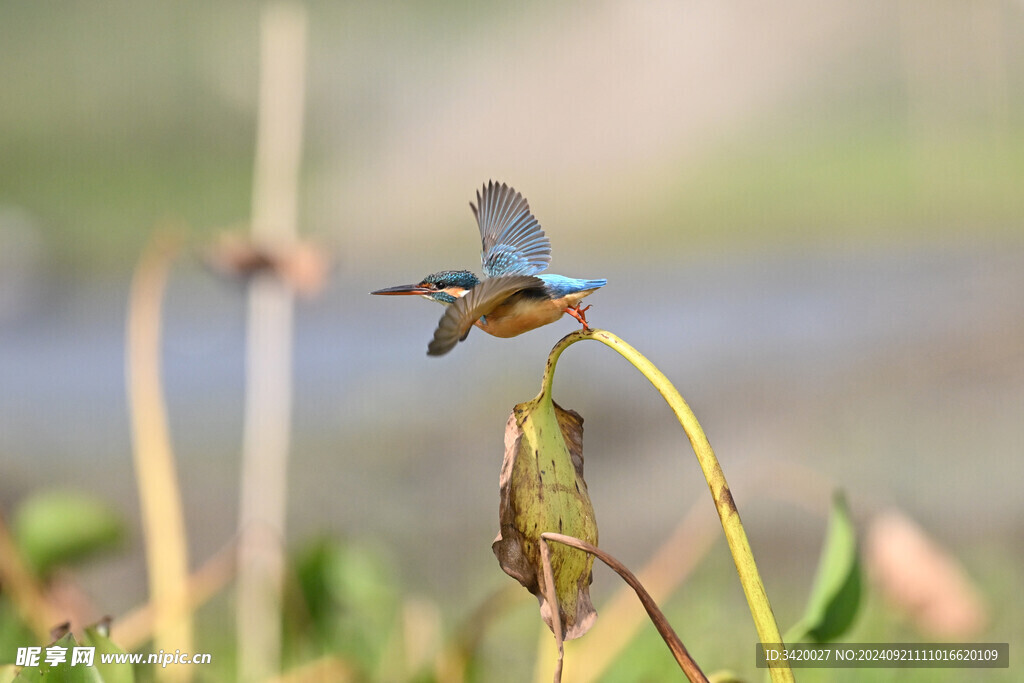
x=156, y=476
x=267, y=419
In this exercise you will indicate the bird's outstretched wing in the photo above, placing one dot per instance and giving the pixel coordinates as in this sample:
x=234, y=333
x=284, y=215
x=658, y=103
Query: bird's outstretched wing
x=513, y=241
x=458, y=318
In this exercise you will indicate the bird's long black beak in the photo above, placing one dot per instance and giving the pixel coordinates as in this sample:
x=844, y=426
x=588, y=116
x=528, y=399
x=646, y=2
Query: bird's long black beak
x=402, y=289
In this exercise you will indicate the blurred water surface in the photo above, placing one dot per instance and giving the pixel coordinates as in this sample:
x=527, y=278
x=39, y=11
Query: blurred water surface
x=897, y=374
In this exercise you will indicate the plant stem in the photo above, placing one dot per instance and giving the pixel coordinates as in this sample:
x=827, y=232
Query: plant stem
x=668, y=634
x=739, y=546
x=552, y=598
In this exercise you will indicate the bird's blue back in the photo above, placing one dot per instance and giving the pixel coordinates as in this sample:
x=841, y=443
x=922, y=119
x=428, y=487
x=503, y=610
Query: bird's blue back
x=560, y=285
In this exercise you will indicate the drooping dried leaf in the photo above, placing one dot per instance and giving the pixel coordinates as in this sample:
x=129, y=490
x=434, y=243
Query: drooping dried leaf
x=542, y=489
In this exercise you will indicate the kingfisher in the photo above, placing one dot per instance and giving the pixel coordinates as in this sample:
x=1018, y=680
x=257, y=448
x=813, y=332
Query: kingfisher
x=513, y=297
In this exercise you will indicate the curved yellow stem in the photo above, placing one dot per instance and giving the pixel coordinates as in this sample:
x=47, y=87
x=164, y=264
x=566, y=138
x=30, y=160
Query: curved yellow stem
x=739, y=546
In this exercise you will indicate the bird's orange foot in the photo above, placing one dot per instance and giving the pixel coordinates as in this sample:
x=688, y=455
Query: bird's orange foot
x=580, y=314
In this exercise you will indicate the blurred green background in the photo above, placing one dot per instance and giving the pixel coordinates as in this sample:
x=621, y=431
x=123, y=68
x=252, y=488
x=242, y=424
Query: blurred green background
x=810, y=216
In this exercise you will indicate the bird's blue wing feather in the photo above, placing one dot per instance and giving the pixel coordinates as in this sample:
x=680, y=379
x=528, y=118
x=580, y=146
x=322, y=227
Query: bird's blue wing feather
x=513, y=243
x=560, y=285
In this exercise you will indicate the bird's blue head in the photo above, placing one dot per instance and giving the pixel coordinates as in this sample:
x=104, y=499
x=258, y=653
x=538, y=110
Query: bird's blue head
x=443, y=287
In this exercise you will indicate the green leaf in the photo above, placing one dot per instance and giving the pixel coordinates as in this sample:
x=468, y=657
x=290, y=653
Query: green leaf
x=110, y=672
x=836, y=595
x=63, y=672
x=348, y=602
x=60, y=527
x=542, y=489
x=14, y=633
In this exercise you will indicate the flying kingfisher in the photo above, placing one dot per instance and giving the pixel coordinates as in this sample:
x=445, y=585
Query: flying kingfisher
x=512, y=298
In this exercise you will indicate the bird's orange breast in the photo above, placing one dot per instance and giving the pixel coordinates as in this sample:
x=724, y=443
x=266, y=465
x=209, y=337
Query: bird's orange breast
x=520, y=314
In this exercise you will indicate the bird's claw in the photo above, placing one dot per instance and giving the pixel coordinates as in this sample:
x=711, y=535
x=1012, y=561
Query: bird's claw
x=580, y=314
